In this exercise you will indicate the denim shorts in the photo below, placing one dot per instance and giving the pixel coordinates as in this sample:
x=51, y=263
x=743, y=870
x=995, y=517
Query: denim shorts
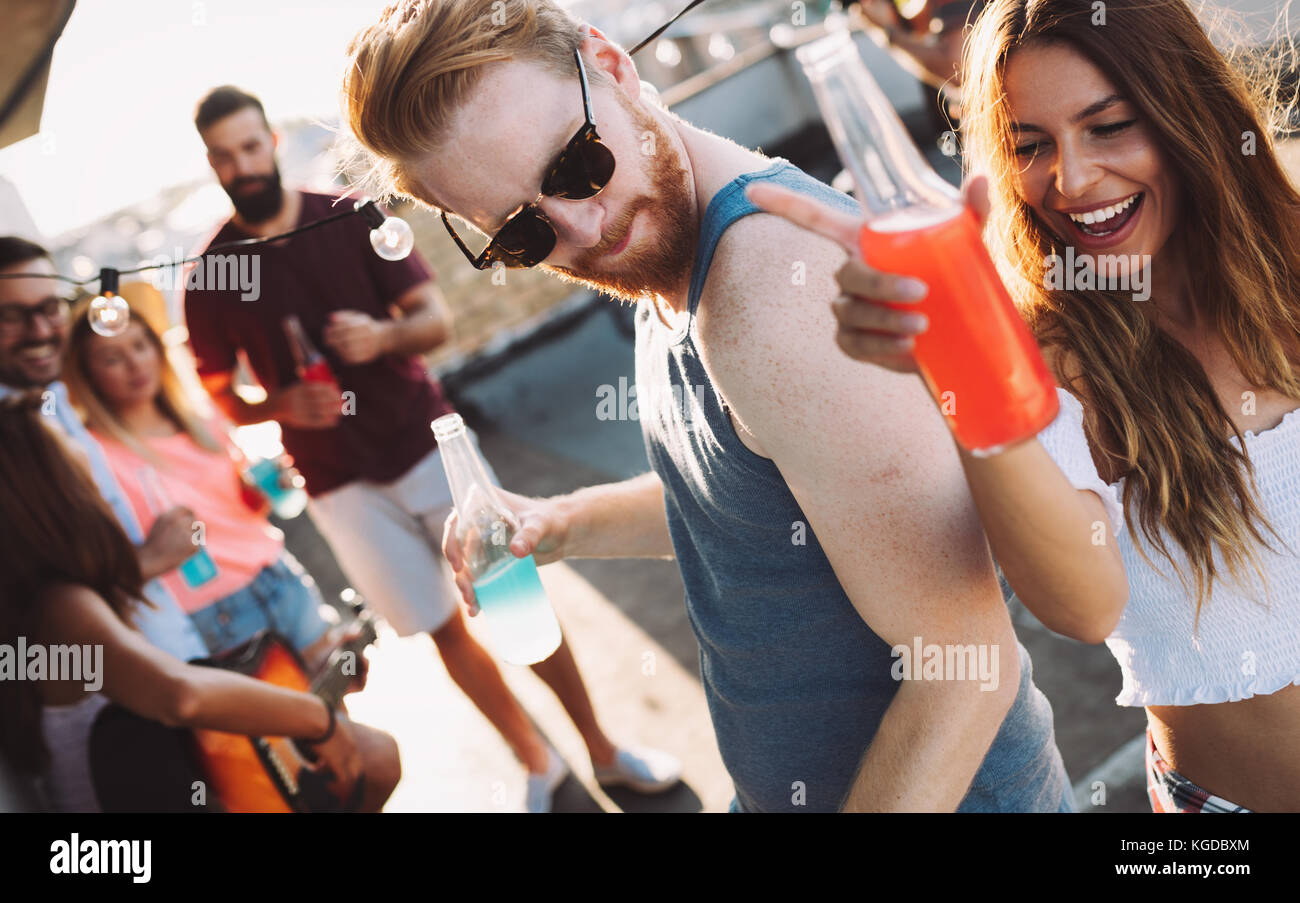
x=282, y=597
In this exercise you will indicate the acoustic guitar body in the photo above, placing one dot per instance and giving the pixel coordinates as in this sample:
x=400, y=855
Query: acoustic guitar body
x=256, y=774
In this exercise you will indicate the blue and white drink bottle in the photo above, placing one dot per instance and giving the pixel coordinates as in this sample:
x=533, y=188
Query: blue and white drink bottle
x=522, y=626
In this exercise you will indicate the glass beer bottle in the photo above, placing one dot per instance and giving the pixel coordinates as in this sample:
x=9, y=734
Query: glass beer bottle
x=977, y=357
x=522, y=625
x=311, y=364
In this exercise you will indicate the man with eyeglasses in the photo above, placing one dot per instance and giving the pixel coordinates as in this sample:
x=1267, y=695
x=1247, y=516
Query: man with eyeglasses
x=377, y=489
x=816, y=509
x=34, y=320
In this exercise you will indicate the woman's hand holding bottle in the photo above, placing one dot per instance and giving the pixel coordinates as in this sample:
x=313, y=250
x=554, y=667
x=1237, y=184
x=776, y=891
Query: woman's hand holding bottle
x=871, y=328
x=1026, y=503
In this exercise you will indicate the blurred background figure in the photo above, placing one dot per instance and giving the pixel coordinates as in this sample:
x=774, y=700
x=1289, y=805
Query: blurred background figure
x=68, y=577
x=159, y=449
x=34, y=320
x=358, y=427
x=925, y=36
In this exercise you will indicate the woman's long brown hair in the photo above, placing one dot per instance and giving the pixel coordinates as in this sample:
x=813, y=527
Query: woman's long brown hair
x=55, y=528
x=1152, y=415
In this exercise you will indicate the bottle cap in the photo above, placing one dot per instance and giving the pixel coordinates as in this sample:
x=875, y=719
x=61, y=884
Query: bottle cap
x=447, y=426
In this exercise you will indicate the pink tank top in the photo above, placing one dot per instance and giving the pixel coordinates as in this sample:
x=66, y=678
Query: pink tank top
x=240, y=541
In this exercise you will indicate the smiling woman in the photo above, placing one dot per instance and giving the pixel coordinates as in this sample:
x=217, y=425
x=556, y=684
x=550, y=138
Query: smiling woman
x=1101, y=115
x=1128, y=132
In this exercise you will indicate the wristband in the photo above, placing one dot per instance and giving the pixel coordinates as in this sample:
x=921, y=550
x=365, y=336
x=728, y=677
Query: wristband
x=329, y=732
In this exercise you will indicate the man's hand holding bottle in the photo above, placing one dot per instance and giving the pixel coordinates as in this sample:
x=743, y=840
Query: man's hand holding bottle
x=307, y=405
x=543, y=532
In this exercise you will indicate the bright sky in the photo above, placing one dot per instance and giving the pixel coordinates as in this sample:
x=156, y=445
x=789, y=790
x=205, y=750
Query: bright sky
x=126, y=76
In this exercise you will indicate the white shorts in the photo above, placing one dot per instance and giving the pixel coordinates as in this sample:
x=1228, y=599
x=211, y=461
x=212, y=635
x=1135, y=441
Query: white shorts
x=387, y=538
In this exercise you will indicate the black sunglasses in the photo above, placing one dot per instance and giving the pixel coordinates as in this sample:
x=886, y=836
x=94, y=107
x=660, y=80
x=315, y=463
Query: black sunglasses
x=583, y=168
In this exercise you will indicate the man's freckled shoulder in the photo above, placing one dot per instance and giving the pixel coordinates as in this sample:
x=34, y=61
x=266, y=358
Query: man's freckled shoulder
x=761, y=262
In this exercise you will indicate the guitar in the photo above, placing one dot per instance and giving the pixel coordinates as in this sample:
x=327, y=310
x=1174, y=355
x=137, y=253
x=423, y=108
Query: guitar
x=275, y=774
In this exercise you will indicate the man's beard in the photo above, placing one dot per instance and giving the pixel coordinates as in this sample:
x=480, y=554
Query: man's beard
x=261, y=205
x=661, y=260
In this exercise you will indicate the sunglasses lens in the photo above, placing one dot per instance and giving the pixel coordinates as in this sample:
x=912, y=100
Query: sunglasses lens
x=582, y=171
x=525, y=241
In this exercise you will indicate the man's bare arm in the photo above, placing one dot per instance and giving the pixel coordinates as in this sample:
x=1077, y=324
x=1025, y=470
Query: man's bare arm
x=1049, y=538
x=424, y=323
x=612, y=520
x=872, y=465
x=619, y=520
x=420, y=322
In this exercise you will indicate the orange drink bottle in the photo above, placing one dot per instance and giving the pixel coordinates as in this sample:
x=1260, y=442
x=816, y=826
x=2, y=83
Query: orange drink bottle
x=977, y=357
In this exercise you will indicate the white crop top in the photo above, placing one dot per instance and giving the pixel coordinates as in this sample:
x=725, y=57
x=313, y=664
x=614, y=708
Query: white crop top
x=1243, y=647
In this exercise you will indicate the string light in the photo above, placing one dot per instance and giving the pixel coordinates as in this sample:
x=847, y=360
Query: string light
x=391, y=237
x=109, y=314
x=393, y=240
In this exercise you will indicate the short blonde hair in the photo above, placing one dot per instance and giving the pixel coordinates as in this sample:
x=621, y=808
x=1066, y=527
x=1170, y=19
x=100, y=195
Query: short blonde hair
x=408, y=73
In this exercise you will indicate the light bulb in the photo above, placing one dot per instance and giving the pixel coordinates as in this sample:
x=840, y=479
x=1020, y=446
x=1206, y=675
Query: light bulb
x=109, y=315
x=666, y=52
x=720, y=47
x=393, y=239
x=910, y=9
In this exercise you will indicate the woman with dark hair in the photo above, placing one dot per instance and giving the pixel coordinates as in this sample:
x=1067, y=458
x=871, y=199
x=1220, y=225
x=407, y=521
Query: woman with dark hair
x=70, y=577
x=1118, y=135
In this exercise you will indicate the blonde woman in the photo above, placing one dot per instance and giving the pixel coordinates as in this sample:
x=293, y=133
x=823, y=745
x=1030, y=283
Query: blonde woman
x=155, y=444
x=1180, y=423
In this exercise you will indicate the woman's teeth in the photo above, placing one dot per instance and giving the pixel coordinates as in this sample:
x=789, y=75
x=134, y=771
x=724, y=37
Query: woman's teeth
x=1103, y=219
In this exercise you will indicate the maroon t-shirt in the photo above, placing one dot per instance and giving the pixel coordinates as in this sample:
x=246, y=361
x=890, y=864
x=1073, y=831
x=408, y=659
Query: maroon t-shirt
x=329, y=268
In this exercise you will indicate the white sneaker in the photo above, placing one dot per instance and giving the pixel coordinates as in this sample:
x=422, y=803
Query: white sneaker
x=542, y=786
x=644, y=770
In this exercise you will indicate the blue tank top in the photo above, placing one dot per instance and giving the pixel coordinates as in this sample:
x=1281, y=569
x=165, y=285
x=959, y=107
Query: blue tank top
x=796, y=682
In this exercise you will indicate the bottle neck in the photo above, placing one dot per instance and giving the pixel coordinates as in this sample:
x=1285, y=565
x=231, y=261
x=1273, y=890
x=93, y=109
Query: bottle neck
x=484, y=524
x=302, y=345
x=471, y=490
x=889, y=171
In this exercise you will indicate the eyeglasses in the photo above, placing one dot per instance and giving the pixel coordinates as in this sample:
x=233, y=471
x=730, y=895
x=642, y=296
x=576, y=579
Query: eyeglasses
x=582, y=170
x=17, y=318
